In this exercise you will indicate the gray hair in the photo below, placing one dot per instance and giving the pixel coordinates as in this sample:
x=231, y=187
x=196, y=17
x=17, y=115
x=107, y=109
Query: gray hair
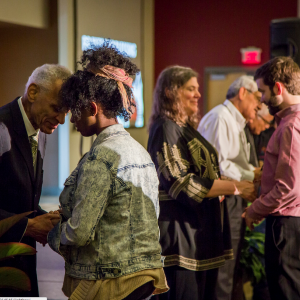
x=264, y=111
x=245, y=81
x=46, y=75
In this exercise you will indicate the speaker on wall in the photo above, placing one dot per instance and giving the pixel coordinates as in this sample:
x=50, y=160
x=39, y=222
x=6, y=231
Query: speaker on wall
x=285, y=38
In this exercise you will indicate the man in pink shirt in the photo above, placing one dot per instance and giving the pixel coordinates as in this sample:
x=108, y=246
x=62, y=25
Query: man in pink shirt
x=279, y=82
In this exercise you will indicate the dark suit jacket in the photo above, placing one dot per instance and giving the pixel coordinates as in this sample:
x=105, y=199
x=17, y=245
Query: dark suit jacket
x=19, y=190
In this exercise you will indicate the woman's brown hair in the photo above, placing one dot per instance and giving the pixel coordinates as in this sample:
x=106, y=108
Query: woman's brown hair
x=166, y=103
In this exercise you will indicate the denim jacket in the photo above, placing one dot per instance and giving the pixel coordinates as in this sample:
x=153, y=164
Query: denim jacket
x=110, y=207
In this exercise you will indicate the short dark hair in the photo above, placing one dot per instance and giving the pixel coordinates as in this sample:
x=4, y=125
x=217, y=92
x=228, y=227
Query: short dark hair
x=84, y=87
x=280, y=69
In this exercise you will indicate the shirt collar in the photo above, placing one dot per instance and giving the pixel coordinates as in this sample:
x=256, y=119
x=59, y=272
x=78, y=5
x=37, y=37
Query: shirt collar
x=29, y=128
x=287, y=111
x=113, y=130
x=241, y=121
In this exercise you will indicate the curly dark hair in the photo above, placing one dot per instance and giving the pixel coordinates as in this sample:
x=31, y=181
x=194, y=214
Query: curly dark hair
x=280, y=69
x=84, y=87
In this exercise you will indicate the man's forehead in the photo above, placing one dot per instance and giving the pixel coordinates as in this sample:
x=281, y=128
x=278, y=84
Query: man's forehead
x=260, y=82
x=57, y=85
x=53, y=92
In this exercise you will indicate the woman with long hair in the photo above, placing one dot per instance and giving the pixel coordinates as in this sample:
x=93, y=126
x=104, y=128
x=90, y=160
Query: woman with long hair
x=193, y=221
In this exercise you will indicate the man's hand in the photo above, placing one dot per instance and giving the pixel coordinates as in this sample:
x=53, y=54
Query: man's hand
x=57, y=212
x=257, y=175
x=39, y=227
x=249, y=221
x=246, y=190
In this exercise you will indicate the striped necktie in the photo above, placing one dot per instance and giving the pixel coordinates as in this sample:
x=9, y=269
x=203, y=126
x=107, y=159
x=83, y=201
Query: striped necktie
x=34, y=146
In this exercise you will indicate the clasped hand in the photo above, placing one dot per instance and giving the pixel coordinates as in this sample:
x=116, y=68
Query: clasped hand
x=39, y=227
x=257, y=175
x=249, y=221
x=246, y=189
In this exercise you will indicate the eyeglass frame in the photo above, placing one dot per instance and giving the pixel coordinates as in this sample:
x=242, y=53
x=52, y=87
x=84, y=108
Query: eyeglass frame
x=267, y=122
x=249, y=91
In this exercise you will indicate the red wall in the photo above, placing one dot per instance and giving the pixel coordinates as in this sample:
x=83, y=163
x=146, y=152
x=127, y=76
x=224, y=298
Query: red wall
x=210, y=33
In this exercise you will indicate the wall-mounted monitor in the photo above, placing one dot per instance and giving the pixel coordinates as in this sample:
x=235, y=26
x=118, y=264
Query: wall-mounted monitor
x=137, y=119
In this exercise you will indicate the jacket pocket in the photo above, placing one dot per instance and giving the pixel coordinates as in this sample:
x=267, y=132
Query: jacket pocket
x=66, y=196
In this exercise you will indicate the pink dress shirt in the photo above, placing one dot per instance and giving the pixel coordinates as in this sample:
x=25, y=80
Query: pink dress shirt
x=280, y=183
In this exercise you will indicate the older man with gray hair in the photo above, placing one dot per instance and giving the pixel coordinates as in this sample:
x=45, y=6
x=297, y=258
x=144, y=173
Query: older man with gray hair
x=223, y=127
x=262, y=121
x=24, y=123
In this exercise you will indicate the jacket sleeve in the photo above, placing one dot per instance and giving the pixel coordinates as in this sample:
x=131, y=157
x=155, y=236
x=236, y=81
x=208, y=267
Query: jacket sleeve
x=171, y=155
x=91, y=195
x=40, y=211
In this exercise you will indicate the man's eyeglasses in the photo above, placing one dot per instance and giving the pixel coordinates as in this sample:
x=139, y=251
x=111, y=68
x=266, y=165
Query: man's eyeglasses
x=267, y=122
x=255, y=96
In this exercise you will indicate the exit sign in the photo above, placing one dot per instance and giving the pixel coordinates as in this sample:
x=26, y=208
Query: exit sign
x=251, y=55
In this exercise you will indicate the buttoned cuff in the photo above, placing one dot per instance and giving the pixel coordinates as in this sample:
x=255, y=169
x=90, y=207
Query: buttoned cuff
x=247, y=175
x=252, y=212
x=252, y=168
x=53, y=237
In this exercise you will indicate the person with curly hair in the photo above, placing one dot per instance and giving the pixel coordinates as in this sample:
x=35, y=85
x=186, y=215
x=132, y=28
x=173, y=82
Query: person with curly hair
x=193, y=221
x=108, y=233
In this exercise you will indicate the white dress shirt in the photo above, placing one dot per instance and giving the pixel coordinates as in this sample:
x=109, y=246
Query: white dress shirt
x=29, y=128
x=223, y=127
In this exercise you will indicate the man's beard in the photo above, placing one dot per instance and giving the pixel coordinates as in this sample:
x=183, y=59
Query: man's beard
x=273, y=110
x=273, y=105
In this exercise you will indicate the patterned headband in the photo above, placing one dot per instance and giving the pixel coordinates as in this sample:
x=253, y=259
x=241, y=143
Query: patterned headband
x=121, y=77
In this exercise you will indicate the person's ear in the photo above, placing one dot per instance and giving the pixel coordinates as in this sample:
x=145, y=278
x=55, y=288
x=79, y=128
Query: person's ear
x=277, y=89
x=32, y=92
x=242, y=93
x=94, y=108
